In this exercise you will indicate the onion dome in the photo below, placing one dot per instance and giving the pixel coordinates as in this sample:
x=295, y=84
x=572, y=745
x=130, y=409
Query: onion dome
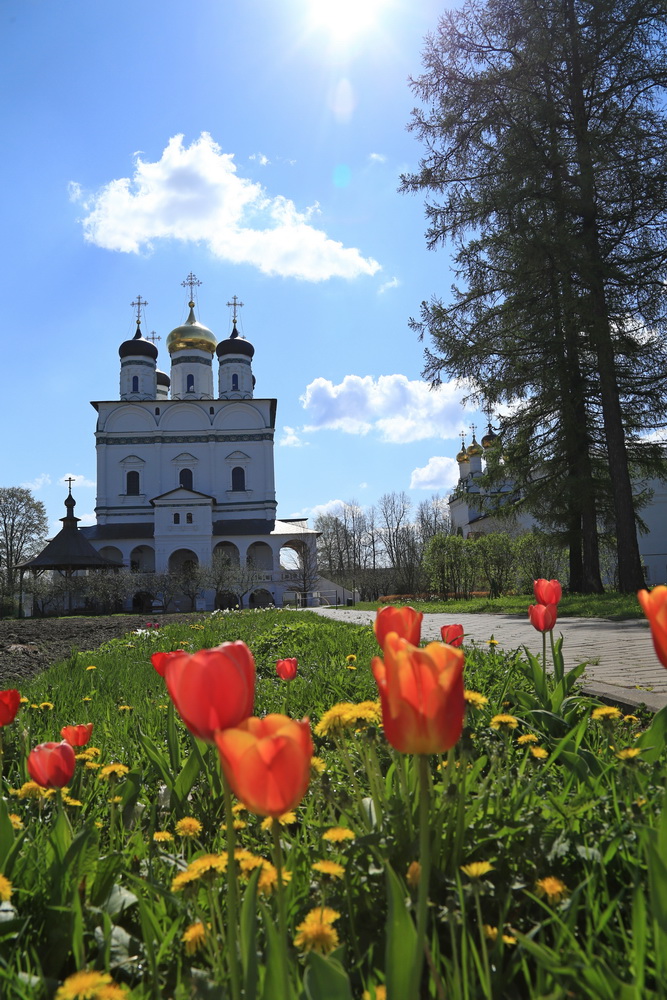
x=191, y=335
x=162, y=378
x=463, y=454
x=138, y=346
x=489, y=438
x=474, y=448
x=235, y=344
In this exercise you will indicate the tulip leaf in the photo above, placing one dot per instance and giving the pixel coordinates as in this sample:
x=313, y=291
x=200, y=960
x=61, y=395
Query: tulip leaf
x=652, y=741
x=6, y=831
x=326, y=979
x=187, y=777
x=157, y=758
x=248, y=937
x=272, y=987
x=172, y=738
x=401, y=940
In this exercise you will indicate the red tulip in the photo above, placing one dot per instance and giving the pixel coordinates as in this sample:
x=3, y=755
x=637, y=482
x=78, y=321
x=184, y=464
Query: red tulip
x=51, y=765
x=654, y=606
x=9, y=705
x=405, y=622
x=77, y=736
x=421, y=692
x=267, y=762
x=547, y=591
x=160, y=660
x=543, y=616
x=212, y=689
x=452, y=634
x=286, y=669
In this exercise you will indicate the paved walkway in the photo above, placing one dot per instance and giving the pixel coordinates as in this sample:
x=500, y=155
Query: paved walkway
x=622, y=665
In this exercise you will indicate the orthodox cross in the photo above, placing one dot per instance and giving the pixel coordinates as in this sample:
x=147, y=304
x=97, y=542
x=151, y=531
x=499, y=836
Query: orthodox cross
x=463, y=441
x=71, y=479
x=152, y=336
x=138, y=305
x=192, y=282
x=235, y=304
x=473, y=428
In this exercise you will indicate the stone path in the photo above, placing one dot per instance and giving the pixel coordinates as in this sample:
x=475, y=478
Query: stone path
x=622, y=665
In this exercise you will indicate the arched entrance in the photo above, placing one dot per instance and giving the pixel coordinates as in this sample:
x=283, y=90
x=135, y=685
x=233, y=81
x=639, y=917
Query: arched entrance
x=260, y=599
x=260, y=556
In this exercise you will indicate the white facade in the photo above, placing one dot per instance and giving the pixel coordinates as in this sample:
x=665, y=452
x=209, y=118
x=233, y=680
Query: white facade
x=182, y=475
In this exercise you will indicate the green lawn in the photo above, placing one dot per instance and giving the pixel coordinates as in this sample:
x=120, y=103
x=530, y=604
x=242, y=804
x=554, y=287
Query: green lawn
x=607, y=605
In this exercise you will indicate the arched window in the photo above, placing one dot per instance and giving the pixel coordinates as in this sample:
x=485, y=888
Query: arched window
x=188, y=518
x=238, y=478
x=235, y=382
x=135, y=383
x=132, y=483
x=177, y=518
x=190, y=383
x=185, y=479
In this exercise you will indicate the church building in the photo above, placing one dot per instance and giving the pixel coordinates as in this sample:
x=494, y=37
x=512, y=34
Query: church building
x=185, y=469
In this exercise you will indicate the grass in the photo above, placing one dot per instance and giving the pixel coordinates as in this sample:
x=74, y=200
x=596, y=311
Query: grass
x=569, y=899
x=611, y=605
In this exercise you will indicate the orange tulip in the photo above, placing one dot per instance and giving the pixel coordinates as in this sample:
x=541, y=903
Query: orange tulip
x=286, y=669
x=77, y=736
x=547, y=591
x=9, y=705
x=160, y=660
x=654, y=606
x=543, y=616
x=267, y=762
x=452, y=634
x=405, y=622
x=212, y=689
x=421, y=692
x=52, y=765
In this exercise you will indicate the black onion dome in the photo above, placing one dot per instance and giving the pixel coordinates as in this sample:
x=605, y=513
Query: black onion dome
x=138, y=347
x=489, y=438
x=235, y=344
x=163, y=378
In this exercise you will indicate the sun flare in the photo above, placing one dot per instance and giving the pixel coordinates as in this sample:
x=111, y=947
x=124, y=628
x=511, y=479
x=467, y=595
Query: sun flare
x=344, y=19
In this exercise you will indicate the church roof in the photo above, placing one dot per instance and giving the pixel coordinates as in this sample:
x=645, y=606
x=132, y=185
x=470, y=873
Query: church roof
x=70, y=549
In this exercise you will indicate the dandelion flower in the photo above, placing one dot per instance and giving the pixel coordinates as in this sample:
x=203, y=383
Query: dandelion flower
x=552, y=888
x=351, y=658
x=70, y=801
x=317, y=765
x=539, y=753
x=91, y=667
x=492, y=642
x=124, y=708
x=16, y=821
x=504, y=722
x=475, y=699
x=92, y=765
x=268, y=879
x=476, y=869
x=5, y=889
x=162, y=836
x=188, y=827
x=629, y=755
x=630, y=718
x=114, y=771
x=47, y=706
x=606, y=712
x=334, y=720
x=286, y=819
x=337, y=834
x=379, y=994
x=89, y=985
x=331, y=868
x=31, y=790
x=194, y=937
x=316, y=932
x=491, y=934
x=527, y=738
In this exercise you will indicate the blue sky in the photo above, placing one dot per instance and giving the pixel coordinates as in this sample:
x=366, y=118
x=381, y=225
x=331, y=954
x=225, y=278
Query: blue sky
x=258, y=144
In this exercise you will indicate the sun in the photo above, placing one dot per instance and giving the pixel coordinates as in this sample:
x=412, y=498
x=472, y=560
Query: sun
x=344, y=19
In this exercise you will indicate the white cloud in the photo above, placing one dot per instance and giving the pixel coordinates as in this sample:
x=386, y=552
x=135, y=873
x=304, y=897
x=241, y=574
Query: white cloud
x=439, y=473
x=74, y=191
x=195, y=194
x=658, y=436
x=290, y=438
x=377, y=158
x=399, y=410
x=76, y=480
x=386, y=285
x=261, y=159
x=43, y=479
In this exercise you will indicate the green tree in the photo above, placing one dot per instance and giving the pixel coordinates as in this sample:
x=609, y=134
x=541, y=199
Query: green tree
x=23, y=527
x=546, y=156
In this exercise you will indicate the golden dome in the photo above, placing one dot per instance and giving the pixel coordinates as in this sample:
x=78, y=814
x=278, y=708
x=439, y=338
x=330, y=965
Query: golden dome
x=462, y=455
x=192, y=336
x=475, y=448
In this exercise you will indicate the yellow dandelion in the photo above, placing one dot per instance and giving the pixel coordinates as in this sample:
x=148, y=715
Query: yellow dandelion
x=47, y=706
x=92, y=765
x=630, y=718
x=91, y=667
x=5, y=889
x=351, y=666
x=16, y=821
x=337, y=834
x=115, y=800
x=334, y=719
x=205, y=863
x=413, y=874
x=476, y=869
x=86, y=699
x=629, y=755
x=539, y=753
x=188, y=827
x=492, y=642
x=268, y=879
x=239, y=824
x=379, y=993
x=162, y=836
x=552, y=888
x=124, y=708
x=317, y=765
x=285, y=820
x=491, y=934
x=89, y=985
x=93, y=751
x=238, y=807
x=183, y=879
x=350, y=659
x=24, y=701
x=638, y=802
x=527, y=738
x=606, y=713
x=475, y=699
x=316, y=932
x=194, y=937
x=504, y=722
x=331, y=868
x=71, y=802
x=31, y=790
x=112, y=771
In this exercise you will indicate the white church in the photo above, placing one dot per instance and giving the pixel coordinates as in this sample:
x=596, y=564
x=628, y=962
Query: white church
x=185, y=468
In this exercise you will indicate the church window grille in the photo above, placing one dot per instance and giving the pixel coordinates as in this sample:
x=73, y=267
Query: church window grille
x=190, y=384
x=132, y=483
x=157, y=411
x=238, y=478
x=235, y=383
x=188, y=518
x=211, y=410
x=185, y=479
x=135, y=383
x=177, y=518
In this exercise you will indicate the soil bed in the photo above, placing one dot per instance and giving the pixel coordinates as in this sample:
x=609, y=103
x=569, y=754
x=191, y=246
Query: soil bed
x=30, y=645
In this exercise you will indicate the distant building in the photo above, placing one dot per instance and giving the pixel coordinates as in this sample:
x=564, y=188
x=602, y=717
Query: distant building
x=469, y=509
x=185, y=468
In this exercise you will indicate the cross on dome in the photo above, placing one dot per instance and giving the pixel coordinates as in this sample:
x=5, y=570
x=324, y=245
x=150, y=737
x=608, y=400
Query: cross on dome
x=138, y=305
x=191, y=282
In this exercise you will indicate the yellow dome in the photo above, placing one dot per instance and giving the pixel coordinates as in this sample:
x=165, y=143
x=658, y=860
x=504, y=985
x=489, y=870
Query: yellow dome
x=462, y=456
x=475, y=449
x=192, y=336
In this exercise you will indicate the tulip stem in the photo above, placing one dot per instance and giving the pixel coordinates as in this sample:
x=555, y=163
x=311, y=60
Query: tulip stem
x=425, y=874
x=544, y=655
x=232, y=889
x=282, y=908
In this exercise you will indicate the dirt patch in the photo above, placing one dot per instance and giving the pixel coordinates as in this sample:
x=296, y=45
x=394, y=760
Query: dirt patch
x=30, y=645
